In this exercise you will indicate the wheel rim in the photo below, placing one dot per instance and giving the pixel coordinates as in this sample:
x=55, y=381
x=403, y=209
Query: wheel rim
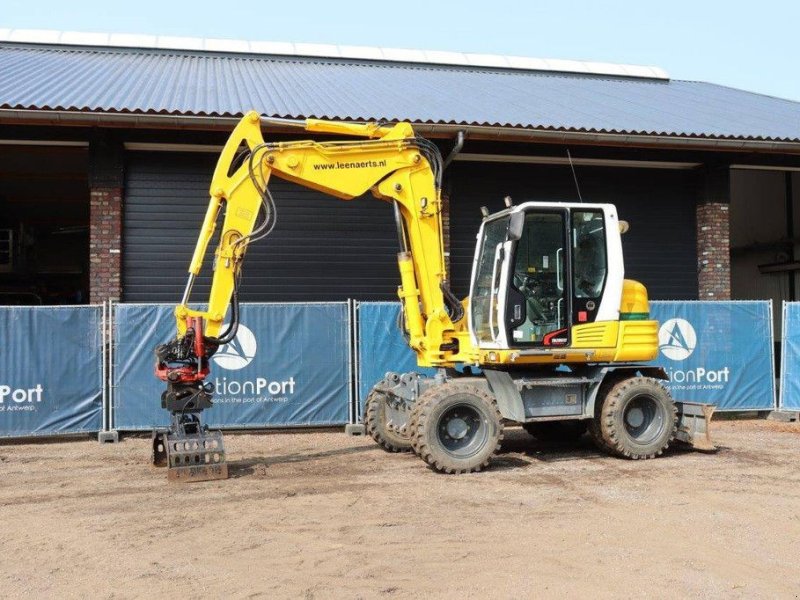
x=644, y=419
x=462, y=430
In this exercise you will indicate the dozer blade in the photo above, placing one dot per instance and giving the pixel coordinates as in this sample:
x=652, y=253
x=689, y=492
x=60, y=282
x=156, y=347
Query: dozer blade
x=191, y=457
x=694, y=425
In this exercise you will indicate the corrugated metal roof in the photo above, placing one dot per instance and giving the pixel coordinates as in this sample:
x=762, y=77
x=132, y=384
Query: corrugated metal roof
x=216, y=84
x=406, y=55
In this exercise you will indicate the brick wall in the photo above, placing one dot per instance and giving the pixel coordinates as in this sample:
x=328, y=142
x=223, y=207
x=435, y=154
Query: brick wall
x=713, y=251
x=105, y=243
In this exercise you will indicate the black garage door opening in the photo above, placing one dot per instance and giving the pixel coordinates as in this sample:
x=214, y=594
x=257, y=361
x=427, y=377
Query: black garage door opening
x=44, y=225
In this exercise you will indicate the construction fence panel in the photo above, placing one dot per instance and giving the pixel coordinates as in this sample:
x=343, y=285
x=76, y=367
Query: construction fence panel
x=381, y=346
x=715, y=352
x=287, y=366
x=790, y=357
x=51, y=370
x=718, y=352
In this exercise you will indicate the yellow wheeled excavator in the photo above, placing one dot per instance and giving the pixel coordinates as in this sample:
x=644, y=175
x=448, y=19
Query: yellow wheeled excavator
x=552, y=335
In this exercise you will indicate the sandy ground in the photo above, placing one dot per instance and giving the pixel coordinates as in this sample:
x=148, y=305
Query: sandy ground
x=321, y=515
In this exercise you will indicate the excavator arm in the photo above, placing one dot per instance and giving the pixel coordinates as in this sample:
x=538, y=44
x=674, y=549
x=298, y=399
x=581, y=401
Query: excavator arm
x=389, y=161
x=392, y=163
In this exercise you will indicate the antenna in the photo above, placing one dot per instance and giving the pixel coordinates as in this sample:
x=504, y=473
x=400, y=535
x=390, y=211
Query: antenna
x=574, y=176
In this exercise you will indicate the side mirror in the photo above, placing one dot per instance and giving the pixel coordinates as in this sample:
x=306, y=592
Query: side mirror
x=516, y=225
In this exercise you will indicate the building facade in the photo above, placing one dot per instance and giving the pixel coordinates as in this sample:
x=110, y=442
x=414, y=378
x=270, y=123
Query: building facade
x=108, y=144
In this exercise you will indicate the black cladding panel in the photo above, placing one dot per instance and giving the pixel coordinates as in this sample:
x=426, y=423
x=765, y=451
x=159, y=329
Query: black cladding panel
x=660, y=248
x=322, y=249
x=325, y=249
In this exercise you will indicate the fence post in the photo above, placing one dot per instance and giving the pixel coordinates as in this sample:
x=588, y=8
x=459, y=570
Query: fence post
x=354, y=427
x=108, y=434
x=782, y=378
x=350, y=377
x=104, y=368
x=775, y=377
x=357, y=355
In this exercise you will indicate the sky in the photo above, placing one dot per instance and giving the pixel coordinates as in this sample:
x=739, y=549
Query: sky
x=752, y=45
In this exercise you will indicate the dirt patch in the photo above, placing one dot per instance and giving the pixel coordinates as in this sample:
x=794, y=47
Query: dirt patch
x=319, y=515
x=764, y=425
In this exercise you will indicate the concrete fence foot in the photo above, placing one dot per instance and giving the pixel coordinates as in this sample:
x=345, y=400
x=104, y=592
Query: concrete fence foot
x=108, y=437
x=354, y=429
x=784, y=416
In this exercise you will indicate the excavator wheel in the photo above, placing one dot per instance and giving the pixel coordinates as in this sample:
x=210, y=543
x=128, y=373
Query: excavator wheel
x=412, y=423
x=456, y=428
x=594, y=424
x=636, y=419
x=380, y=429
x=556, y=431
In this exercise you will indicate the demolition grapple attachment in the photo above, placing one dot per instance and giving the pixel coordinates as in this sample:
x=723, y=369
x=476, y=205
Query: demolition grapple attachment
x=189, y=450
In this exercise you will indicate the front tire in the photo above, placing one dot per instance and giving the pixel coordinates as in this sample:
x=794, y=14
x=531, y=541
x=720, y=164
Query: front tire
x=457, y=428
x=379, y=428
x=637, y=419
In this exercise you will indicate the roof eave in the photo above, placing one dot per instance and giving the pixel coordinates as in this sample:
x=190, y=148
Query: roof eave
x=475, y=132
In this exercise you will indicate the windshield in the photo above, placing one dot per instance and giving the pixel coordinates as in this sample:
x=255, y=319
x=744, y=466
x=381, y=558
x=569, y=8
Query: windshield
x=483, y=304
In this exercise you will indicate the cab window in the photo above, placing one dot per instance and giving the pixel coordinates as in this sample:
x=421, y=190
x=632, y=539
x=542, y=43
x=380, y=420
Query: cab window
x=588, y=253
x=483, y=303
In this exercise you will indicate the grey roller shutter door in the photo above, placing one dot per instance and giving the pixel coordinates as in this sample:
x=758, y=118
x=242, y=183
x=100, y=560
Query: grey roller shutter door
x=323, y=249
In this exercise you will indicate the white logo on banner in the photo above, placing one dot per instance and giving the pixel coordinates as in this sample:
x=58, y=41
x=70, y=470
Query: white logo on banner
x=239, y=352
x=677, y=339
x=21, y=395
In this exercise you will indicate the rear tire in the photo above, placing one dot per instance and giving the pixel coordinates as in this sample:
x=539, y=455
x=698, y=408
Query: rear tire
x=456, y=428
x=379, y=429
x=557, y=431
x=637, y=418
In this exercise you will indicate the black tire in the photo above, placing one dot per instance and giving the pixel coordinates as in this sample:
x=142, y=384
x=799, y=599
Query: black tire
x=597, y=437
x=378, y=428
x=457, y=428
x=413, y=419
x=637, y=418
x=557, y=431
x=594, y=424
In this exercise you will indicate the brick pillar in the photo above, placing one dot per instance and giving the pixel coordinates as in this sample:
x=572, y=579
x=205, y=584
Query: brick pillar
x=105, y=239
x=713, y=233
x=713, y=251
x=106, y=180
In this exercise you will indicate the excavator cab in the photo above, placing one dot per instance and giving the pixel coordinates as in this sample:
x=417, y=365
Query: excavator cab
x=542, y=268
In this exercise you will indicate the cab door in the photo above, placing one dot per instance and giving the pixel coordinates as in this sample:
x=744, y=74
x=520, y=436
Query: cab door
x=487, y=287
x=538, y=302
x=590, y=268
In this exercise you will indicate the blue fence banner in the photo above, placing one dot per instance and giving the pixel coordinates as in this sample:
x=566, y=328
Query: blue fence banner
x=51, y=370
x=718, y=352
x=381, y=346
x=715, y=352
x=790, y=357
x=288, y=366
